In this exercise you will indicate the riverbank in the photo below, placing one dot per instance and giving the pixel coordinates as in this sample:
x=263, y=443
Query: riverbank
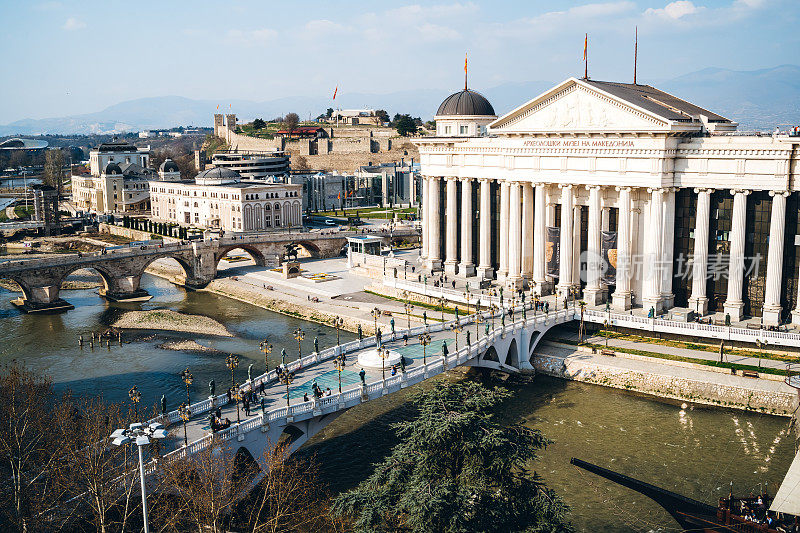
x=674, y=380
x=168, y=320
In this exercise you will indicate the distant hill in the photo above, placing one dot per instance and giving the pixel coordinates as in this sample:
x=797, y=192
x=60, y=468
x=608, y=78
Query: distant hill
x=757, y=99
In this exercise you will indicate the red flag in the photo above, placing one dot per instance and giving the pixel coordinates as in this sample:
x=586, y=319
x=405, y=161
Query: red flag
x=585, y=43
x=335, y=91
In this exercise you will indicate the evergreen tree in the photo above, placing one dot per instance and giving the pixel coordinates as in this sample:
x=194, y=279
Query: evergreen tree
x=457, y=469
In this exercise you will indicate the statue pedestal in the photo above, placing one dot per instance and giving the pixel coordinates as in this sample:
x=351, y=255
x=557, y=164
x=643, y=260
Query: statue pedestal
x=372, y=359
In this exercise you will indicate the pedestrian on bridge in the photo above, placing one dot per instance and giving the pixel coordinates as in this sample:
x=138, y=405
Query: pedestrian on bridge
x=246, y=405
x=363, y=376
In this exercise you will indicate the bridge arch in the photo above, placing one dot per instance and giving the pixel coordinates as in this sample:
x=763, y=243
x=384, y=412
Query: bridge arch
x=255, y=254
x=188, y=269
x=106, y=277
x=311, y=249
x=512, y=357
x=26, y=291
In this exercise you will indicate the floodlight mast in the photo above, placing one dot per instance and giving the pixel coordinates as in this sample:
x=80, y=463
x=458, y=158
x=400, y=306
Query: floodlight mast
x=140, y=435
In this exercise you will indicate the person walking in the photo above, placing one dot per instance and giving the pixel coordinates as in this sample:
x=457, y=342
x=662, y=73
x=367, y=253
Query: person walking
x=246, y=405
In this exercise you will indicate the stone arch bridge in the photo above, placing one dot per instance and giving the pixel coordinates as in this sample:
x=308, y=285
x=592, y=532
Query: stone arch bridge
x=121, y=269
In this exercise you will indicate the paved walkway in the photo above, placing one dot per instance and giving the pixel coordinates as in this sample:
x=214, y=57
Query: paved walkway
x=673, y=350
x=326, y=377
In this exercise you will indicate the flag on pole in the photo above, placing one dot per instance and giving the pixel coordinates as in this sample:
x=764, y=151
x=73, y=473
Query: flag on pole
x=217, y=107
x=465, y=71
x=585, y=43
x=336, y=90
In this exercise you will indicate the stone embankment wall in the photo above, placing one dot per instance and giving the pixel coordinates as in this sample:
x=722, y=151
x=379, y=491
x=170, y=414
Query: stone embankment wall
x=698, y=390
x=130, y=233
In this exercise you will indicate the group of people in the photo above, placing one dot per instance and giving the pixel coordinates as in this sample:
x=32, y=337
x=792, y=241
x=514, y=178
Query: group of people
x=317, y=391
x=757, y=512
x=217, y=422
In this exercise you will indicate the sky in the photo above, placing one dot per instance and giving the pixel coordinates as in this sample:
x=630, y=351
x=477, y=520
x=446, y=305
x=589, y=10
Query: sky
x=69, y=57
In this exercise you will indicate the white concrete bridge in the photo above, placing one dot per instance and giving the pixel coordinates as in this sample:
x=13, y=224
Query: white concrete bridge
x=508, y=346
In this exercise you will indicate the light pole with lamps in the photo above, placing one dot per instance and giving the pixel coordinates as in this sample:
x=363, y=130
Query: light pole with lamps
x=232, y=362
x=338, y=322
x=456, y=327
x=299, y=335
x=286, y=378
x=135, y=397
x=267, y=349
x=140, y=435
x=375, y=314
x=185, y=414
x=441, y=305
x=187, y=379
x=339, y=365
x=424, y=340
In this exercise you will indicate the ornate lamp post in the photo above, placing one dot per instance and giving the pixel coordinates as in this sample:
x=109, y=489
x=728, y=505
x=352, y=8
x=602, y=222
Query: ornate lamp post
x=299, y=335
x=232, y=362
x=185, y=414
x=139, y=435
x=135, y=397
x=424, y=340
x=375, y=314
x=384, y=353
x=287, y=378
x=187, y=378
x=339, y=365
x=338, y=322
x=267, y=349
x=456, y=327
x=478, y=320
x=236, y=395
x=441, y=306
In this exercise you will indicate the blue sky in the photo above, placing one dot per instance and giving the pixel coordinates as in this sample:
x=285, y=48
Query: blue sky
x=62, y=57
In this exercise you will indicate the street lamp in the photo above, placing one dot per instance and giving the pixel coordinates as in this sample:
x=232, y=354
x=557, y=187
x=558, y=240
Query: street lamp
x=286, y=378
x=299, y=335
x=441, y=304
x=478, y=320
x=338, y=322
x=267, y=349
x=424, y=340
x=236, y=395
x=232, y=362
x=384, y=353
x=185, y=414
x=187, y=379
x=375, y=314
x=456, y=327
x=339, y=366
x=140, y=435
x=135, y=397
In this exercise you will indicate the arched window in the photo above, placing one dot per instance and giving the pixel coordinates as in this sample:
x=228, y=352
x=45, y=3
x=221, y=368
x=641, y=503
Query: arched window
x=257, y=216
x=248, y=217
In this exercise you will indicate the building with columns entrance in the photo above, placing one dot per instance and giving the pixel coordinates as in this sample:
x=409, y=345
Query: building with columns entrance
x=622, y=192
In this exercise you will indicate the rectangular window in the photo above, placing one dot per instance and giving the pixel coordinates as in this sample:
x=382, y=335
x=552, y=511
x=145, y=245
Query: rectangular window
x=447, y=130
x=463, y=130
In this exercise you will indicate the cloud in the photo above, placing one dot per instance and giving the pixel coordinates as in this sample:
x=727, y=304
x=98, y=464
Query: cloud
x=674, y=10
x=552, y=23
x=252, y=37
x=48, y=6
x=437, y=33
x=73, y=24
x=324, y=27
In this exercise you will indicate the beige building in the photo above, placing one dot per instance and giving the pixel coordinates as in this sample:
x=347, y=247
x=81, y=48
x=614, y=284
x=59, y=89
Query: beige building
x=219, y=198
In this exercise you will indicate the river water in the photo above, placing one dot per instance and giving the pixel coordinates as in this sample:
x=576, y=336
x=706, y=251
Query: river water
x=694, y=451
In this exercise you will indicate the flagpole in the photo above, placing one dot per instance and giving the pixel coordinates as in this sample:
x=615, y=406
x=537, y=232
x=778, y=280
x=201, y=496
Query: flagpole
x=586, y=57
x=465, y=71
x=635, y=53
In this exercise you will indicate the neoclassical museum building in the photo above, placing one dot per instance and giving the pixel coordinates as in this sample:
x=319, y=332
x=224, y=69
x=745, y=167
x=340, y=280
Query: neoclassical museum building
x=622, y=192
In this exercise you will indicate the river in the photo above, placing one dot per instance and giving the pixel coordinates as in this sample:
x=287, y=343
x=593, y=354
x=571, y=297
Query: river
x=697, y=452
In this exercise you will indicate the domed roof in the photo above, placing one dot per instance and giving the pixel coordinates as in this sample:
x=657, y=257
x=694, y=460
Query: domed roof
x=112, y=168
x=466, y=102
x=217, y=173
x=169, y=166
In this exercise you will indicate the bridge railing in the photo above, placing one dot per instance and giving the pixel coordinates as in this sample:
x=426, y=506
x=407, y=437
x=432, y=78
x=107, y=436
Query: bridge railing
x=781, y=338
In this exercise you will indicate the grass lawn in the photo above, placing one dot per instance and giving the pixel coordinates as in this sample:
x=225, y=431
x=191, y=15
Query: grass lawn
x=22, y=211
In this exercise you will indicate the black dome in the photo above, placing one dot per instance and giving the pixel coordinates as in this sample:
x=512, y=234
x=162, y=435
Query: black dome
x=168, y=166
x=112, y=168
x=466, y=102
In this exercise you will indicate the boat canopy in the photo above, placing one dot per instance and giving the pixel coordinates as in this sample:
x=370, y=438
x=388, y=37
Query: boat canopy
x=787, y=500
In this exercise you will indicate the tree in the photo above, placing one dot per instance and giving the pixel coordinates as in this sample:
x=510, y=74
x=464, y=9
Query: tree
x=30, y=448
x=290, y=122
x=300, y=163
x=54, y=169
x=329, y=112
x=382, y=115
x=457, y=469
x=405, y=125
x=259, y=124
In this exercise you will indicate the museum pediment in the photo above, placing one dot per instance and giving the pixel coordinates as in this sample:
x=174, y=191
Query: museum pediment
x=576, y=107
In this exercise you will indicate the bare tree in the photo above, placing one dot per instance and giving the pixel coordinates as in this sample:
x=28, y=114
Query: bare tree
x=300, y=163
x=30, y=446
x=290, y=122
x=54, y=169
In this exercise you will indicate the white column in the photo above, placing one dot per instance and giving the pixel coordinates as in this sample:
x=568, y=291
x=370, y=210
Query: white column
x=698, y=302
x=485, y=244
x=527, y=230
x=576, y=245
x=451, y=243
x=734, y=305
x=771, y=313
x=593, y=293
x=651, y=297
x=539, y=238
x=514, y=278
x=622, y=295
x=503, y=270
x=425, y=237
x=668, y=248
x=434, y=255
x=565, y=258
x=467, y=267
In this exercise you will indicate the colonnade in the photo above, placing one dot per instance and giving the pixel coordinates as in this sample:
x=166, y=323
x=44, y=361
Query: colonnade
x=527, y=209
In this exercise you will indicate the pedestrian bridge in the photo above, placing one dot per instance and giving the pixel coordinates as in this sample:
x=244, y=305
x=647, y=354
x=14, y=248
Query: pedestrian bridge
x=507, y=346
x=121, y=269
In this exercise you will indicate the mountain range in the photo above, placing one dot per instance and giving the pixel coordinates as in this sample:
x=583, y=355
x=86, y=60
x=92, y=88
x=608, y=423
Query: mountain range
x=758, y=100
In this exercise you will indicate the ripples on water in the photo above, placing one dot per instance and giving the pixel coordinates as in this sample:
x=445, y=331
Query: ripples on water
x=696, y=452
